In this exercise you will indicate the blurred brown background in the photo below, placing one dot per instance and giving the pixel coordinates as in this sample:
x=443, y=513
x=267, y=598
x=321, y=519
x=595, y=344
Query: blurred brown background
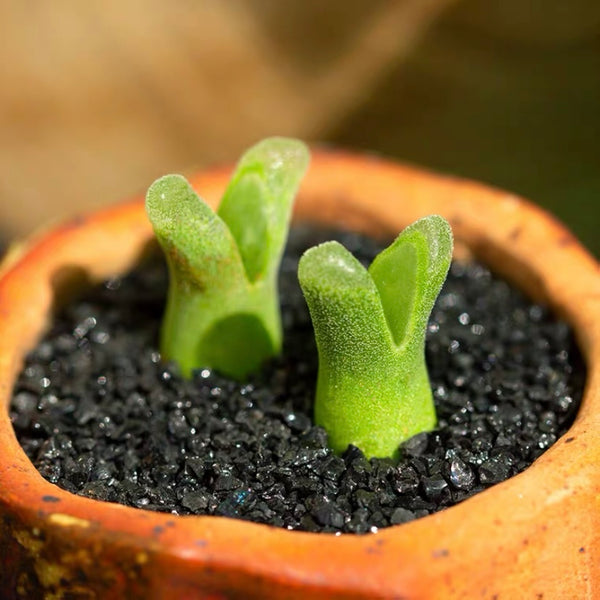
x=100, y=97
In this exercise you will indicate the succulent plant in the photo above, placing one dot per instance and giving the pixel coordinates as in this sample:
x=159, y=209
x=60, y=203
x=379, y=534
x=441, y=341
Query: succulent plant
x=222, y=308
x=373, y=389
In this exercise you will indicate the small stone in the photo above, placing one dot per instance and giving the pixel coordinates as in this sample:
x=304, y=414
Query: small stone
x=227, y=482
x=435, y=487
x=461, y=475
x=401, y=515
x=178, y=426
x=297, y=422
x=234, y=503
x=329, y=515
x=493, y=470
x=195, y=501
x=405, y=480
x=366, y=499
x=416, y=445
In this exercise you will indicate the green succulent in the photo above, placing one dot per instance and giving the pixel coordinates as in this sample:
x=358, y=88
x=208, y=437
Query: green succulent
x=222, y=308
x=373, y=389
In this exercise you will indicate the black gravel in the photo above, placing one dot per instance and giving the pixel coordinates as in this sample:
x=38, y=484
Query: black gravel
x=101, y=416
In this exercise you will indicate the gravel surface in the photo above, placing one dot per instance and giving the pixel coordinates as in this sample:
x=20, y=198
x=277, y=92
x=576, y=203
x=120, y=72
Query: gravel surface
x=101, y=416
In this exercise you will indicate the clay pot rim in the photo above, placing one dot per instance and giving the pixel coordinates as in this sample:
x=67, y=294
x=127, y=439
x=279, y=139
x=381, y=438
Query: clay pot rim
x=208, y=540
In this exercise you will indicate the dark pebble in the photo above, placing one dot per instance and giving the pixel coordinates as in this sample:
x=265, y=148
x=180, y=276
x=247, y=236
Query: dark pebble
x=401, y=515
x=460, y=474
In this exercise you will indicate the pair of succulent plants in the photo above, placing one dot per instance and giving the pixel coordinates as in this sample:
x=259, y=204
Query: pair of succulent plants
x=222, y=309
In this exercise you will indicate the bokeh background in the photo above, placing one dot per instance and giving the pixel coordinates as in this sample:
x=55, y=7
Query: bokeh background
x=98, y=98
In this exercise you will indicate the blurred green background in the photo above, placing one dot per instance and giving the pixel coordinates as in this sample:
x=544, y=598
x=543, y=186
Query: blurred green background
x=100, y=98
x=506, y=93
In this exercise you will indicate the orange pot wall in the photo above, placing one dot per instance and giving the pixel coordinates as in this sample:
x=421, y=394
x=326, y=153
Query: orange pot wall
x=535, y=535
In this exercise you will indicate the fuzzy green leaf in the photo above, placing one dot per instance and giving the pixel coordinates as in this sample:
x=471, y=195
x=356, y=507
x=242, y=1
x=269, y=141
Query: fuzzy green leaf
x=257, y=203
x=340, y=292
x=197, y=243
x=421, y=254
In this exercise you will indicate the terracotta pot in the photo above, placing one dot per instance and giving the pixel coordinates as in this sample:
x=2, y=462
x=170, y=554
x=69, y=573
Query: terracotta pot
x=535, y=535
